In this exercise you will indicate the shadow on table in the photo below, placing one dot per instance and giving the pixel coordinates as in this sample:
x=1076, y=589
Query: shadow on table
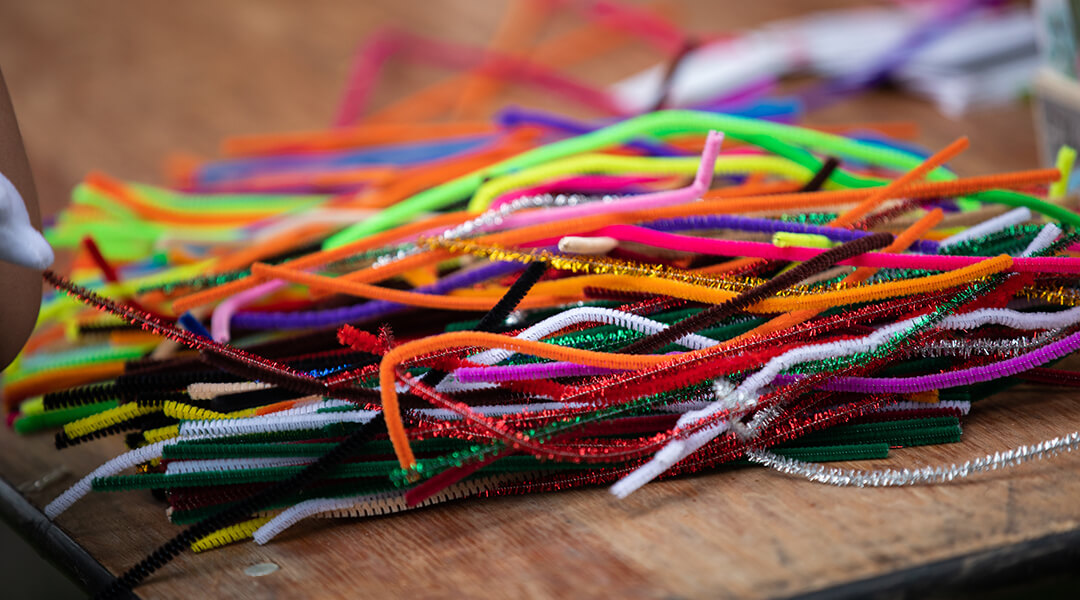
x=26, y=575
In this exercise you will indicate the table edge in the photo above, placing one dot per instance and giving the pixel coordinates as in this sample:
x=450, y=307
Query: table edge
x=52, y=542
x=986, y=569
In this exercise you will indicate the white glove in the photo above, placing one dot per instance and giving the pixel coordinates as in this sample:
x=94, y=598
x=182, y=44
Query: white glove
x=20, y=243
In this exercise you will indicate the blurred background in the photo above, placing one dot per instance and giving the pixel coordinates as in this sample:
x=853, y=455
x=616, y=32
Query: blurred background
x=120, y=86
x=130, y=88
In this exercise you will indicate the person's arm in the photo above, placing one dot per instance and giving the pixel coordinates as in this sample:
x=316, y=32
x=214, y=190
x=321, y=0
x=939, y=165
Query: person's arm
x=20, y=285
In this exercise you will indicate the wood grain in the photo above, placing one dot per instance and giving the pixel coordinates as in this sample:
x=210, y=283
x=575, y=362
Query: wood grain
x=117, y=86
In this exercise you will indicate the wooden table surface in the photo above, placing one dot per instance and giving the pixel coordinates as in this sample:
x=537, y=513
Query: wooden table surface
x=117, y=86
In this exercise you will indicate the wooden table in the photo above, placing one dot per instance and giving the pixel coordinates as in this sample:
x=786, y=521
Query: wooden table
x=117, y=86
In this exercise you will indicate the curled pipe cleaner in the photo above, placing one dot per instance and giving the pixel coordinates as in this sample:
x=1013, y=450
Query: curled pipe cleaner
x=695, y=190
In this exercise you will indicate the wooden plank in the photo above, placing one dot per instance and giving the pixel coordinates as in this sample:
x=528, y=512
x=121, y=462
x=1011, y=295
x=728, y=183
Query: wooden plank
x=739, y=532
x=117, y=86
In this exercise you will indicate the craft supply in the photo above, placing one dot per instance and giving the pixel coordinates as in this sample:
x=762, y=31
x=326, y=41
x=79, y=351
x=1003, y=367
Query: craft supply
x=386, y=315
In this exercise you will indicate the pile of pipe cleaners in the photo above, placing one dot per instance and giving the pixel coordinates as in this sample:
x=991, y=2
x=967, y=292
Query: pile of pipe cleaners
x=396, y=311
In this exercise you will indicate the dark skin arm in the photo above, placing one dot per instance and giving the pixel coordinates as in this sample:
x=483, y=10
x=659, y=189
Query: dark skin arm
x=22, y=286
